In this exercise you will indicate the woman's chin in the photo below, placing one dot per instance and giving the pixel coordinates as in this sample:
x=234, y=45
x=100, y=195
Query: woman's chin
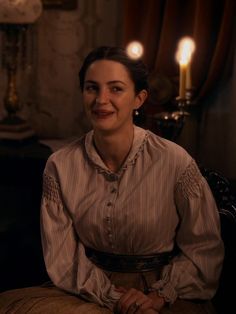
x=102, y=124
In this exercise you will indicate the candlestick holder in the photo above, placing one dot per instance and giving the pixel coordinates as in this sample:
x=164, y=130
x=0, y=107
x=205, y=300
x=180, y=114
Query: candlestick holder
x=170, y=124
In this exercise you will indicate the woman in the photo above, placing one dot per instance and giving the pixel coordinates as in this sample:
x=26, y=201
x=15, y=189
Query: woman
x=118, y=202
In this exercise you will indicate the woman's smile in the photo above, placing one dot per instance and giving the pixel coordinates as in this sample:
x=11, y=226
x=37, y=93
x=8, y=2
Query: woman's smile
x=102, y=113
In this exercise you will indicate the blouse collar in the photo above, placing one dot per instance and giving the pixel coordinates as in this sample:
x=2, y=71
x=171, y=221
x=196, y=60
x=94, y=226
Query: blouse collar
x=140, y=137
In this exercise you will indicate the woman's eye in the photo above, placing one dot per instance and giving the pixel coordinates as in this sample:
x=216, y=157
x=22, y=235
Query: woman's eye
x=116, y=89
x=91, y=88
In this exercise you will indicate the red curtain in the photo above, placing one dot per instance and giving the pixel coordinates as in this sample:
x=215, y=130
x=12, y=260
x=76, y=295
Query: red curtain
x=159, y=25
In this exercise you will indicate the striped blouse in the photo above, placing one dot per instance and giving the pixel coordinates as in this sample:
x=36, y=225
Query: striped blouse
x=157, y=197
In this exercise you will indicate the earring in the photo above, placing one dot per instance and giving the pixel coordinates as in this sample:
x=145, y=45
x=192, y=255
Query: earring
x=136, y=113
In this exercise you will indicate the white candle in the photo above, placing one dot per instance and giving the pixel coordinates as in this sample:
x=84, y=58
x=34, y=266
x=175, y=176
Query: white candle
x=184, y=53
x=188, y=76
x=182, y=80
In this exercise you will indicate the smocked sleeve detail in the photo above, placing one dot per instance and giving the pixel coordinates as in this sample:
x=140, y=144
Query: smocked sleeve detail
x=189, y=183
x=51, y=188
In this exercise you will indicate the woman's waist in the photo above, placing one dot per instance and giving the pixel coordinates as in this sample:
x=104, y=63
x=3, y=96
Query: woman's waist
x=129, y=263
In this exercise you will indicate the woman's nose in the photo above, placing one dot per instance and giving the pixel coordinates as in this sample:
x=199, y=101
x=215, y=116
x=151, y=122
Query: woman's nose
x=102, y=97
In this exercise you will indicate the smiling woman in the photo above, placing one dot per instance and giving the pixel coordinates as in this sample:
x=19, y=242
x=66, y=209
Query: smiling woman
x=115, y=204
x=60, y=4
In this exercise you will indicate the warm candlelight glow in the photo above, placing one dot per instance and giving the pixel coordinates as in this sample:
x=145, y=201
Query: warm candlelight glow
x=184, y=53
x=134, y=50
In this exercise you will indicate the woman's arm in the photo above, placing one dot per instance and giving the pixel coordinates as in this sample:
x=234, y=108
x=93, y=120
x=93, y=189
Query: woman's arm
x=195, y=271
x=65, y=259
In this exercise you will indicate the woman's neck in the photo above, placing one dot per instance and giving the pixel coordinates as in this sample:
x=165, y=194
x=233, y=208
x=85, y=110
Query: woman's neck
x=114, y=148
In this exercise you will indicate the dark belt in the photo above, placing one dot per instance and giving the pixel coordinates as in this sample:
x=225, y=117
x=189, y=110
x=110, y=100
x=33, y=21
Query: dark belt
x=128, y=263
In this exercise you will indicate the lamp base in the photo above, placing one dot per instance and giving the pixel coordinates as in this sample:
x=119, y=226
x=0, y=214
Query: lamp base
x=15, y=129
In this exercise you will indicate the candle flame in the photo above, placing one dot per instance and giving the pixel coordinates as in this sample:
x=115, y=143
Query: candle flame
x=186, y=47
x=134, y=50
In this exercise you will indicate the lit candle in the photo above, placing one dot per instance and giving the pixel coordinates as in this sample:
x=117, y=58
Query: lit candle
x=182, y=79
x=184, y=53
x=188, y=76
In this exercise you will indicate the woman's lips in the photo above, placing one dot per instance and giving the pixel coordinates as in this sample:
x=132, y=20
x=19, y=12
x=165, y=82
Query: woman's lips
x=102, y=113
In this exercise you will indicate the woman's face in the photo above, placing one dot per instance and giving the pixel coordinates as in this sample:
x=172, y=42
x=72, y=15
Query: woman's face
x=109, y=96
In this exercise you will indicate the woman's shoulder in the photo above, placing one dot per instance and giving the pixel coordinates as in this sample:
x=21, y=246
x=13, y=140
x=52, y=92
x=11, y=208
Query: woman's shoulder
x=165, y=146
x=68, y=149
x=172, y=156
x=64, y=156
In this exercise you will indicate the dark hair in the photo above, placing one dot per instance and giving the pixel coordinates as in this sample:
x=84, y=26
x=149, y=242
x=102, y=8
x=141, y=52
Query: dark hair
x=136, y=68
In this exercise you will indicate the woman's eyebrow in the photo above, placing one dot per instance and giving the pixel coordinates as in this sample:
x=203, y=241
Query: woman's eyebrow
x=116, y=81
x=90, y=81
x=109, y=82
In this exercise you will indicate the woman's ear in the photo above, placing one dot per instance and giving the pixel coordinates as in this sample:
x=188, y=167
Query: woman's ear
x=140, y=98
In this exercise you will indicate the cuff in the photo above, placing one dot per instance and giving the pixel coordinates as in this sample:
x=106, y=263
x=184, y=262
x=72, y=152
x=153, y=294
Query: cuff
x=164, y=288
x=113, y=297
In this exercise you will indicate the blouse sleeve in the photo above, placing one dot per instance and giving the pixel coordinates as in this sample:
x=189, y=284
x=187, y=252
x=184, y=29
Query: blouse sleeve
x=64, y=255
x=195, y=271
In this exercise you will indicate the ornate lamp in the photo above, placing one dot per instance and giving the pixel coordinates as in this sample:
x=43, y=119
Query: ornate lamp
x=16, y=16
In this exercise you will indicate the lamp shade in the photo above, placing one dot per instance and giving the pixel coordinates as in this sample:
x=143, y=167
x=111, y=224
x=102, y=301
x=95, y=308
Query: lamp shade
x=20, y=11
